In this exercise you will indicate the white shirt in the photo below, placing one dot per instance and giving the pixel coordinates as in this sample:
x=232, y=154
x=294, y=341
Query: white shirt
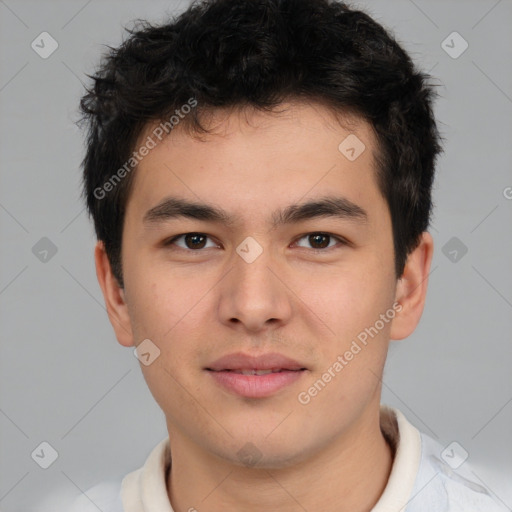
x=421, y=479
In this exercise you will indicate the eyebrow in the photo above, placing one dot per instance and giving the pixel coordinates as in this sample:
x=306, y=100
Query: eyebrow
x=330, y=206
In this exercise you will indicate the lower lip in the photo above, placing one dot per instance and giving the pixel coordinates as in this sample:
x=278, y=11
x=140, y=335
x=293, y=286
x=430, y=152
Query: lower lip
x=256, y=386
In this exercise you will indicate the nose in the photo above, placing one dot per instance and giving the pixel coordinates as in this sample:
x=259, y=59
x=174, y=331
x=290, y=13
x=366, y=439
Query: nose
x=253, y=296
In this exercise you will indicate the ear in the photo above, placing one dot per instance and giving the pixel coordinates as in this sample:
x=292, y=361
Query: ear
x=114, y=296
x=411, y=288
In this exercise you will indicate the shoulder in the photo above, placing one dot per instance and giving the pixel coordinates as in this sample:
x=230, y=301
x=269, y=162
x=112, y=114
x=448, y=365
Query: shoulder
x=105, y=496
x=446, y=481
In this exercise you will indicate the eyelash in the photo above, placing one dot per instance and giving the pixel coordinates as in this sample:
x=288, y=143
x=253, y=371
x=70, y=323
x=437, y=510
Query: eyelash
x=342, y=241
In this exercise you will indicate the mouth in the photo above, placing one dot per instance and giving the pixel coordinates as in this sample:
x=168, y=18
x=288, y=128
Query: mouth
x=255, y=376
x=255, y=371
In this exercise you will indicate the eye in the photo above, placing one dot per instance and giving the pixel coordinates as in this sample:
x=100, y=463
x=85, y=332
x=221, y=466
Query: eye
x=196, y=241
x=321, y=241
x=191, y=241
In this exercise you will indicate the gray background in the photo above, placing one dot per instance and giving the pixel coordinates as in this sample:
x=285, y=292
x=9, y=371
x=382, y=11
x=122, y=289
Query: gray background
x=63, y=377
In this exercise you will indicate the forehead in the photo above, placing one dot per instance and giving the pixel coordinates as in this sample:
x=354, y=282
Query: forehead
x=251, y=156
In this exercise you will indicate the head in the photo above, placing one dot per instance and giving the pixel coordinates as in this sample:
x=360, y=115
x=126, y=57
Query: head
x=224, y=123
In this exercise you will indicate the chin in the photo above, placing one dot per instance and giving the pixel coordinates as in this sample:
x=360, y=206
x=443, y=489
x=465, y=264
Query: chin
x=259, y=453
x=251, y=457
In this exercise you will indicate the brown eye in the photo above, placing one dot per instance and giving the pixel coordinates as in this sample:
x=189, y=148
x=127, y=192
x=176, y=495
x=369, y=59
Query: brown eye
x=195, y=240
x=319, y=241
x=190, y=241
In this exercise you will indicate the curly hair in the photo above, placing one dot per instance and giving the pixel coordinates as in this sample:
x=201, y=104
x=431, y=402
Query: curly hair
x=259, y=53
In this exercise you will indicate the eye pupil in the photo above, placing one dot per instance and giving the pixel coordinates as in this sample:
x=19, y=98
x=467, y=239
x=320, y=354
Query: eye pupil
x=316, y=240
x=195, y=239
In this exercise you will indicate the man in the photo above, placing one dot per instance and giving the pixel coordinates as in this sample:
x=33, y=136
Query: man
x=259, y=175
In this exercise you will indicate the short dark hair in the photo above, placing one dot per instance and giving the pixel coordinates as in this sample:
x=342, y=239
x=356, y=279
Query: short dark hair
x=260, y=53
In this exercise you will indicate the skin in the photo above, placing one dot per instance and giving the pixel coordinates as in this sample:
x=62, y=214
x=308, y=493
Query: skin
x=327, y=455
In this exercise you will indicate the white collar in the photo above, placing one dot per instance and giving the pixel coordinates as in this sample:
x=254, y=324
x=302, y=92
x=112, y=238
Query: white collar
x=145, y=490
x=407, y=442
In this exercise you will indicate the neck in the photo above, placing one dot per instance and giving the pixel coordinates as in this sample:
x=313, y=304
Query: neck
x=349, y=475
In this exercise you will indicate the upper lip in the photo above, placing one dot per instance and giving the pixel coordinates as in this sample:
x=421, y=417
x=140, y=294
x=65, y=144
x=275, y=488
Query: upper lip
x=241, y=361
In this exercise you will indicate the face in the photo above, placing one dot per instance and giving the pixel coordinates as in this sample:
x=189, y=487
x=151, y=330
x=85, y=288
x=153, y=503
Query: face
x=258, y=281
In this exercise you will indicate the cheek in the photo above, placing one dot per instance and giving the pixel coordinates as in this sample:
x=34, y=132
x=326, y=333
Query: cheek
x=150, y=311
x=172, y=317
x=353, y=357
x=156, y=300
x=350, y=300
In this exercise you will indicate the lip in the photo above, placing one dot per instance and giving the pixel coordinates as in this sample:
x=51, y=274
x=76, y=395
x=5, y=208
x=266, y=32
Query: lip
x=226, y=373
x=241, y=361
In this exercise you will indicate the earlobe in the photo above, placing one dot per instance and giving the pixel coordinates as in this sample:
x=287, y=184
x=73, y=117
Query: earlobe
x=411, y=288
x=114, y=296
